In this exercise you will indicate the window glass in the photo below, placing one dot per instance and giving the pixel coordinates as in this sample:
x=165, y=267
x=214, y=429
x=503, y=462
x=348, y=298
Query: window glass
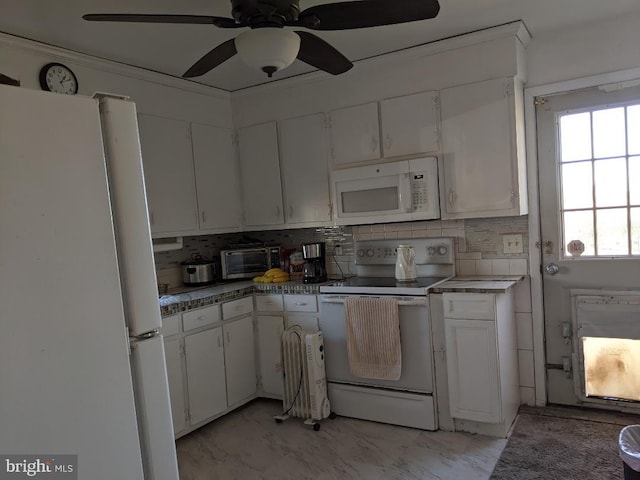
x=577, y=185
x=613, y=237
x=575, y=137
x=611, y=182
x=579, y=226
x=609, y=137
x=633, y=129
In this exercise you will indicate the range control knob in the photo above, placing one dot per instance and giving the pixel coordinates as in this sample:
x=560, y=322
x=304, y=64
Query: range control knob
x=370, y=252
x=442, y=250
x=431, y=251
x=361, y=252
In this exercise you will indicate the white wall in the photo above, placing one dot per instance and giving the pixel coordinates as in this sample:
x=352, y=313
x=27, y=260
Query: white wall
x=153, y=93
x=590, y=49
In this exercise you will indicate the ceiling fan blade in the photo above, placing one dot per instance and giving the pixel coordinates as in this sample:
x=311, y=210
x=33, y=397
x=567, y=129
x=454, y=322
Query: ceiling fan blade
x=143, y=18
x=365, y=13
x=215, y=57
x=318, y=53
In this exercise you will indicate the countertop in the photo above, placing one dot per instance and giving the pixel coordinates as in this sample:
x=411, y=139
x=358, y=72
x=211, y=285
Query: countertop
x=479, y=284
x=187, y=298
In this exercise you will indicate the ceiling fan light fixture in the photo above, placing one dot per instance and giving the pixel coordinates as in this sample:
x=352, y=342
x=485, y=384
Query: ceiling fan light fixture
x=268, y=48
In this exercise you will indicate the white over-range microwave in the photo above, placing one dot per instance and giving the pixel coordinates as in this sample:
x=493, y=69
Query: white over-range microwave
x=387, y=192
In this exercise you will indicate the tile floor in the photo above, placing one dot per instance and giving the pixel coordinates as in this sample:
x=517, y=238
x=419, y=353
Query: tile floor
x=247, y=444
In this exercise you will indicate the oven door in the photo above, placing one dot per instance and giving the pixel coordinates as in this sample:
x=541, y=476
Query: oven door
x=415, y=342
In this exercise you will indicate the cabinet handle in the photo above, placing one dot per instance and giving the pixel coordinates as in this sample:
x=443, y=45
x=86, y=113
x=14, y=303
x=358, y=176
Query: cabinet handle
x=290, y=210
x=374, y=144
x=228, y=338
x=203, y=217
x=452, y=197
x=278, y=211
x=301, y=303
x=219, y=342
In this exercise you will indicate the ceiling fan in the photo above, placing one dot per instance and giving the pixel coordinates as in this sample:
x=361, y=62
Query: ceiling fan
x=270, y=47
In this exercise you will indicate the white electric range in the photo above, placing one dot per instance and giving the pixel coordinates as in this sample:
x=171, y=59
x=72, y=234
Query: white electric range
x=410, y=400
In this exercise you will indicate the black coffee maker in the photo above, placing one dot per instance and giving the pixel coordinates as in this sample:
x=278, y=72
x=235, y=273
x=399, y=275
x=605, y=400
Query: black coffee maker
x=315, y=270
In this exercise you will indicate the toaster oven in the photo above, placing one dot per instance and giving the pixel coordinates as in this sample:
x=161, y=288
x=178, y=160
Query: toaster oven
x=248, y=262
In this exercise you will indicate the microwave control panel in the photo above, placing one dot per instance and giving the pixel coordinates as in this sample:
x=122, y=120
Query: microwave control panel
x=419, y=192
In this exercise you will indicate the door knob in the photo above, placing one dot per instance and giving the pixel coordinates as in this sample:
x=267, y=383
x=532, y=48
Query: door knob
x=551, y=268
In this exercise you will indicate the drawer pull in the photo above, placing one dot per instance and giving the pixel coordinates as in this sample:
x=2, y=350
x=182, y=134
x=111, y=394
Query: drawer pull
x=302, y=304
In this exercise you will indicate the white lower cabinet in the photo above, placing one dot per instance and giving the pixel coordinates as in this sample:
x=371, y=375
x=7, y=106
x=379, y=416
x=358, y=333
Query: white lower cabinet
x=270, y=330
x=204, y=354
x=175, y=376
x=239, y=360
x=482, y=361
x=211, y=363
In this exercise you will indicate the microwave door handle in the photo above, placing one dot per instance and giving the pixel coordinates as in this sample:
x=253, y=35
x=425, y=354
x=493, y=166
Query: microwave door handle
x=405, y=192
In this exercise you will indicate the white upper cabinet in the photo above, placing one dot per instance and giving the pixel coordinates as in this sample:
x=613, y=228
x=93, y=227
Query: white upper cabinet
x=260, y=172
x=355, y=134
x=168, y=173
x=410, y=124
x=217, y=178
x=483, y=172
x=304, y=163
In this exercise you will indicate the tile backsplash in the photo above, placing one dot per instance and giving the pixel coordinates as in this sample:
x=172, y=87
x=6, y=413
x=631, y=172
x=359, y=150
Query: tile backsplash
x=479, y=244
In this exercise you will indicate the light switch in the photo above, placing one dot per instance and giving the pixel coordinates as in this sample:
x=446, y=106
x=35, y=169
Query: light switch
x=512, y=243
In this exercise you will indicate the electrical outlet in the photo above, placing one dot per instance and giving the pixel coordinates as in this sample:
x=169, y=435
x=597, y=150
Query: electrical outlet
x=512, y=243
x=337, y=250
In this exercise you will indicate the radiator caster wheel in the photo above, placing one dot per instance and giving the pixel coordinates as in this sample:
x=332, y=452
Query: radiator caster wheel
x=332, y=416
x=278, y=420
x=316, y=427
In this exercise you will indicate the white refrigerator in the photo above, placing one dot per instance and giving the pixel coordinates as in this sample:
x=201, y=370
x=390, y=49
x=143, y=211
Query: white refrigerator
x=82, y=367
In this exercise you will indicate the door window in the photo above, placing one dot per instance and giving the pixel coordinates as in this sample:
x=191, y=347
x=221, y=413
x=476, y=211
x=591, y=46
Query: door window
x=599, y=171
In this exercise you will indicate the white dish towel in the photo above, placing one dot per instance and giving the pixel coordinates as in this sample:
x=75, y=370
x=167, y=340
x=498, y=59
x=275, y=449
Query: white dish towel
x=373, y=337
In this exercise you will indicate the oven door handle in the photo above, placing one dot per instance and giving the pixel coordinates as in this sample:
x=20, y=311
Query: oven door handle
x=401, y=300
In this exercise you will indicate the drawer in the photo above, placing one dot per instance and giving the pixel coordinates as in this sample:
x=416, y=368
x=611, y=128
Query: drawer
x=201, y=317
x=171, y=325
x=477, y=306
x=236, y=308
x=301, y=303
x=307, y=322
x=269, y=303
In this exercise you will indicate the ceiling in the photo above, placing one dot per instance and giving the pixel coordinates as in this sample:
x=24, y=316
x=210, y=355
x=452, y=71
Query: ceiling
x=172, y=49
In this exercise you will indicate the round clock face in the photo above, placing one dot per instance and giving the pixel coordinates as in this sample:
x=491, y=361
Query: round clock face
x=58, y=78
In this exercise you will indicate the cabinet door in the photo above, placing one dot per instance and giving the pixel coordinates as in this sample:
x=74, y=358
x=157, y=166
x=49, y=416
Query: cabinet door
x=480, y=157
x=472, y=369
x=204, y=353
x=168, y=174
x=270, y=340
x=260, y=173
x=175, y=376
x=410, y=124
x=239, y=350
x=303, y=157
x=355, y=134
x=217, y=178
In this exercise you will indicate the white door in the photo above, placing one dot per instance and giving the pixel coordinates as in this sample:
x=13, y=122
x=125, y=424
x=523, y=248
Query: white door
x=175, y=375
x=217, y=178
x=168, y=173
x=410, y=124
x=355, y=134
x=239, y=351
x=204, y=353
x=305, y=169
x=589, y=169
x=260, y=171
x=269, y=340
x=472, y=369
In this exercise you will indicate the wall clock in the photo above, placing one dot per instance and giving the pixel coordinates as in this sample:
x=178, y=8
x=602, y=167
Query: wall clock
x=58, y=78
